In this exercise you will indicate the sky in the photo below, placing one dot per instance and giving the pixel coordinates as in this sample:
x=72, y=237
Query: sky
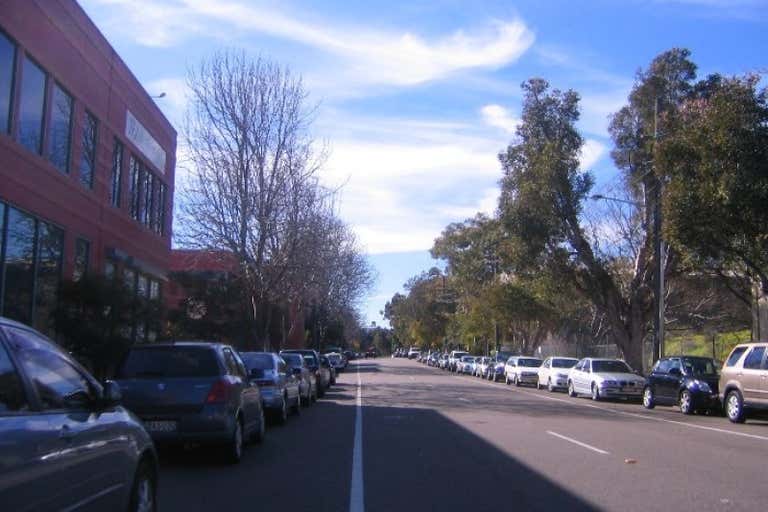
x=415, y=99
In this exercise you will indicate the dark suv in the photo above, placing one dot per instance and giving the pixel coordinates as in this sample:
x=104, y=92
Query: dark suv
x=193, y=392
x=66, y=442
x=686, y=381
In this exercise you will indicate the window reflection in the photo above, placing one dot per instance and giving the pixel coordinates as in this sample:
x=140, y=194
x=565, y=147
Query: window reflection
x=51, y=245
x=19, y=266
x=59, y=133
x=117, y=173
x=7, y=64
x=31, y=106
x=88, y=160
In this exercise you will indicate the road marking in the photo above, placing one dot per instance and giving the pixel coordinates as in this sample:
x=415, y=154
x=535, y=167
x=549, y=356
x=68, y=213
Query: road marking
x=583, y=445
x=356, y=496
x=579, y=403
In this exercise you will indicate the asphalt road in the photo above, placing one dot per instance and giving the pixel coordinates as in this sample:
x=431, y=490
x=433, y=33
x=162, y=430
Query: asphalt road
x=430, y=440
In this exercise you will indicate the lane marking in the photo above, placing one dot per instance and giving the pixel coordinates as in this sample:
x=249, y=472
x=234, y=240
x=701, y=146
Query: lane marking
x=578, y=403
x=574, y=441
x=356, y=495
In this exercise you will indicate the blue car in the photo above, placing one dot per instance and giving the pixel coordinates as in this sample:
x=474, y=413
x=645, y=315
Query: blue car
x=278, y=383
x=66, y=443
x=689, y=382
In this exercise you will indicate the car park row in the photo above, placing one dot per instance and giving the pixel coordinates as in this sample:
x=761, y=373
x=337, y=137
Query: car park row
x=72, y=442
x=694, y=384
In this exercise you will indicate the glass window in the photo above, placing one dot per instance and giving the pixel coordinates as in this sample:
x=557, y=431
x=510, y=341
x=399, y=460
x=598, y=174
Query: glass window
x=59, y=129
x=19, y=266
x=154, y=216
x=82, y=258
x=134, y=185
x=88, y=158
x=161, y=209
x=735, y=356
x=180, y=361
x=154, y=290
x=129, y=278
x=109, y=270
x=32, y=106
x=117, y=174
x=11, y=392
x=49, y=256
x=58, y=384
x=231, y=363
x=7, y=68
x=143, y=287
x=754, y=358
x=146, y=197
x=610, y=367
x=662, y=366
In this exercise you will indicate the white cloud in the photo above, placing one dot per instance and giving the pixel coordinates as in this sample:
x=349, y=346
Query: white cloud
x=174, y=103
x=368, y=56
x=591, y=152
x=499, y=117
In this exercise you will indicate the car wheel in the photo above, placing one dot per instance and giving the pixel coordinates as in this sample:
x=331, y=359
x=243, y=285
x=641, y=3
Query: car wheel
x=649, y=402
x=686, y=402
x=550, y=387
x=595, y=392
x=258, y=435
x=734, y=407
x=517, y=381
x=506, y=380
x=235, y=446
x=144, y=490
x=282, y=417
x=571, y=389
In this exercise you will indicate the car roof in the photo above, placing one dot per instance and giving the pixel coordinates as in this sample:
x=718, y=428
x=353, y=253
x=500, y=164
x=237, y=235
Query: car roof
x=181, y=344
x=13, y=323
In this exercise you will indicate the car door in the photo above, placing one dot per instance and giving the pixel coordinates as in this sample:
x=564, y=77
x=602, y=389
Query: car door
x=77, y=445
x=583, y=377
x=764, y=381
x=249, y=394
x=751, y=375
x=544, y=371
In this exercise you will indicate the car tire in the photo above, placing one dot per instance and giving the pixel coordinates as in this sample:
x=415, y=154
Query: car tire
x=517, y=382
x=144, y=489
x=686, y=402
x=506, y=380
x=260, y=432
x=234, y=449
x=550, y=387
x=595, y=392
x=734, y=407
x=282, y=413
x=649, y=401
x=571, y=390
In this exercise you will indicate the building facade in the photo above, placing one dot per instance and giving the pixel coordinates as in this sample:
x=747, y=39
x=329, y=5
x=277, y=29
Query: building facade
x=87, y=163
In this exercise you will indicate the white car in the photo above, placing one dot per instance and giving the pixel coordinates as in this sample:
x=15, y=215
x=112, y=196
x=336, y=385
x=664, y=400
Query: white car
x=466, y=365
x=522, y=370
x=604, y=378
x=553, y=372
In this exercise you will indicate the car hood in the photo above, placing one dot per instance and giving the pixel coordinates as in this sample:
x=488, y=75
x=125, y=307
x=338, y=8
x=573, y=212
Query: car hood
x=619, y=376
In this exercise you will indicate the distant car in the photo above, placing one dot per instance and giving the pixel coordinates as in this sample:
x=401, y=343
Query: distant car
x=326, y=363
x=349, y=355
x=466, y=365
x=522, y=370
x=743, y=381
x=413, y=353
x=482, y=366
x=604, y=378
x=307, y=379
x=496, y=372
x=67, y=443
x=337, y=361
x=686, y=381
x=553, y=372
x=312, y=359
x=454, y=358
x=279, y=386
x=371, y=353
x=193, y=392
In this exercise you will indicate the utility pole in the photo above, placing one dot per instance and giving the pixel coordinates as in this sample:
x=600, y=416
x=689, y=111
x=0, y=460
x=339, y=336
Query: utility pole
x=658, y=255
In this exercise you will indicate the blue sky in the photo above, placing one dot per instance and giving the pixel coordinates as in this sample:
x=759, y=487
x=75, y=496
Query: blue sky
x=417, y=98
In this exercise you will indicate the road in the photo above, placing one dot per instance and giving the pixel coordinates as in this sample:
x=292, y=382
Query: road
x=430, y=440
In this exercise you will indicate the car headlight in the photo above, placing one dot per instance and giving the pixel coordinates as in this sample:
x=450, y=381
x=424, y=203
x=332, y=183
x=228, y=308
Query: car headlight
x=701, y=385
x=609, y=383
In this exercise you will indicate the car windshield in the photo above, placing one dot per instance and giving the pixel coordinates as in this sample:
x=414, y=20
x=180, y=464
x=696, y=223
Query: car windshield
x=531, y=363
x=257, y=361
x=293, y=360
x=468, y=359
x=334, y=357
x=564, y=363
x=699, y=366
x=169, y=362
x=611, y=367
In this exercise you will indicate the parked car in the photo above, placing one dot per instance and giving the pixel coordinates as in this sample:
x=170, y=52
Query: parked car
x=466, y=365
x=326, y=363
x=604, y=378
x=496, y=372
x=66, y=440
x=413, y=353
x=743, y=381
x=522, y=370
x=442, y=362
x=686, y=381
x=482, y=365
x=337, y=361
x=349, y=355
x=279, y=386
x=307, y=380
x=193, y=392
x=553, y=372
x=312, y=359
x=454, y=359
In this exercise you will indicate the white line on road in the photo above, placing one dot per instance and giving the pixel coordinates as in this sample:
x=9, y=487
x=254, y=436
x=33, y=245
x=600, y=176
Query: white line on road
x=583, y=445
x=356, y=497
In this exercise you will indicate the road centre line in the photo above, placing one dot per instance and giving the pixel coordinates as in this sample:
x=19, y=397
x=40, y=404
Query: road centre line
x=579, y=443
x=631, y=414
x=356, y=494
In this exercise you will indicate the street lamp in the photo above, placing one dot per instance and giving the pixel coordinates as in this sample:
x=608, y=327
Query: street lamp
x=658, y=250
x=161, y=95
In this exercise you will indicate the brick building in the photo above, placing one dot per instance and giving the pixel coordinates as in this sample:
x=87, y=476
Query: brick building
x=86, y=162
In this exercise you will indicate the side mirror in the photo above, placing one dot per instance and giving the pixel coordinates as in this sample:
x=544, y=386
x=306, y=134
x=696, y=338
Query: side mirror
x=111, y=394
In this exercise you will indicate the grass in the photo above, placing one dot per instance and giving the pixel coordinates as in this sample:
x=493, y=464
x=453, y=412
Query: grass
x=701, y=345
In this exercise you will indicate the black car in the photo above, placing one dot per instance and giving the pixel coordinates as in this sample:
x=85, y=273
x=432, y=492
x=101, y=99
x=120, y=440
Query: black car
x=687, y=381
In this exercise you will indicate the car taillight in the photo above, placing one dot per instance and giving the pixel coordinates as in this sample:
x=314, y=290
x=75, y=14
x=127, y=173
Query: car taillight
x=219, y=393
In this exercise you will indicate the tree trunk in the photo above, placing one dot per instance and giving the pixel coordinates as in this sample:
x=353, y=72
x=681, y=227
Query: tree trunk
x=759, y=312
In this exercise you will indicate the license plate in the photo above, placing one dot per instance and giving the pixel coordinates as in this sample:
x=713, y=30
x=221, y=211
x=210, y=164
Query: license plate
x=160, y=426
x=628, y=389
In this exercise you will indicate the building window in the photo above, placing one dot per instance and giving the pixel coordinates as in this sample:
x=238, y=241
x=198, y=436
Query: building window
x=49, y=254
x=19, y=266
x=117, y=173
x=134, y=186
x=32, y=106
x=109, y=270
x=60, y=129
x=82, y=258
x=7, y=67
x=161, y=209
x=88, y=159
x=146, y=196
x=129, y=278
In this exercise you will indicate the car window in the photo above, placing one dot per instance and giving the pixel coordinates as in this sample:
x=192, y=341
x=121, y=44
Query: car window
x=231, y=363
x=563, y=363
x=735, y=356
x=57, y=383
x=754, y=359
x=699, y=366
x=12, y=397
x=169, y=362
x=662, y=366
x=281, y=366
x=610, y=367
x=675, y=363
